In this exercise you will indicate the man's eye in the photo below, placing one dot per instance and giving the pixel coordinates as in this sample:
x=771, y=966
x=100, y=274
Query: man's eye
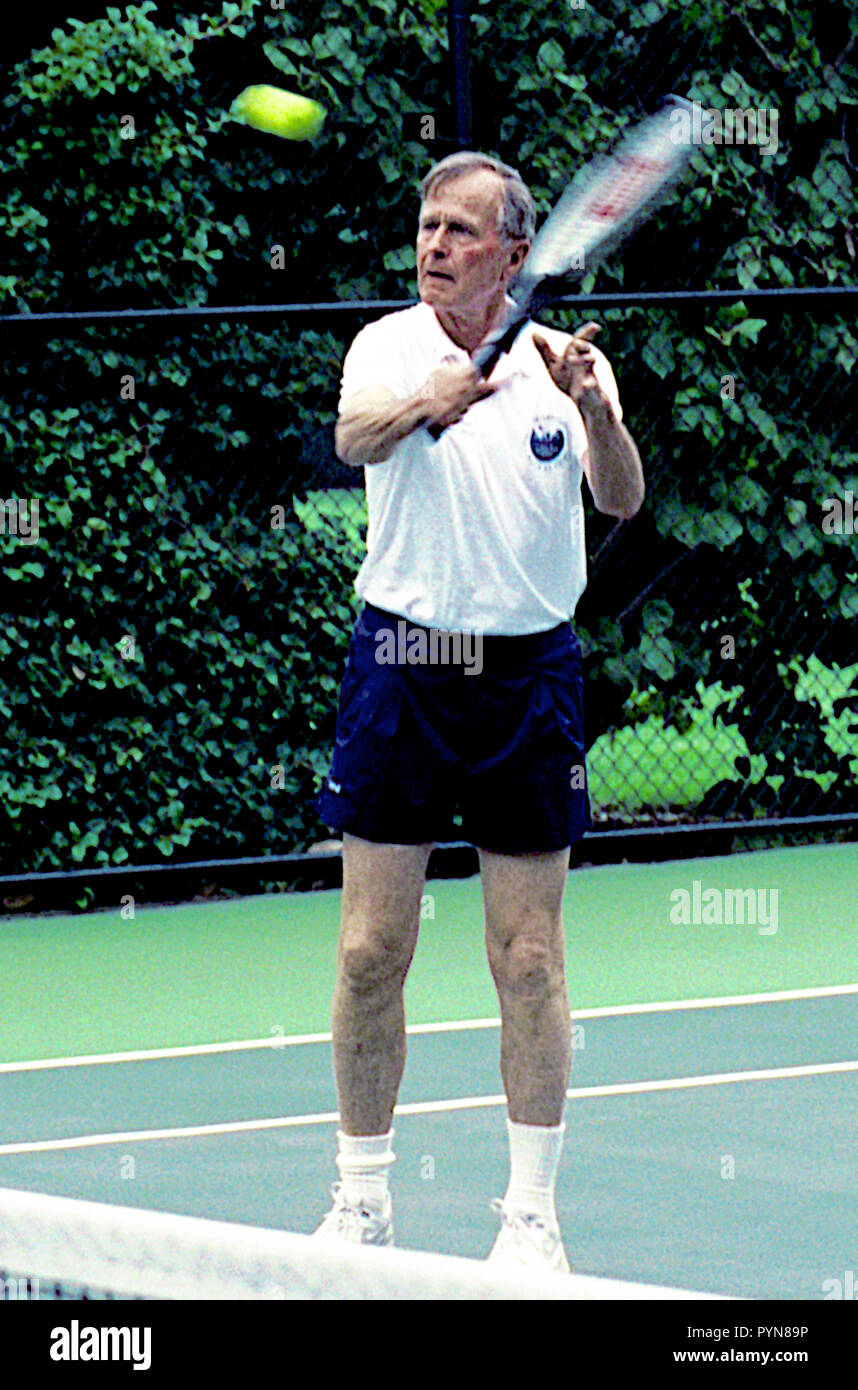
x=456, y=228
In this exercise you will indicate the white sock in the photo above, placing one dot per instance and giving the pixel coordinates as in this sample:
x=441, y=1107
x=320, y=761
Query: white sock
x=534, y=1159
x=363, y=1161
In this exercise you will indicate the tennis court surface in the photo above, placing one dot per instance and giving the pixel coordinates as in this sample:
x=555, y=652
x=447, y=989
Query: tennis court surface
x=178, y=1061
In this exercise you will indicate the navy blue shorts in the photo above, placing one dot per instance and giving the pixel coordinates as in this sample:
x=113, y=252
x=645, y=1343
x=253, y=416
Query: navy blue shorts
x=491, y=730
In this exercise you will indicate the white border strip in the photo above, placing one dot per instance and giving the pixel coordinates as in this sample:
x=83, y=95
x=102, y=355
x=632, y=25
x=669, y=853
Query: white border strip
x=415, y=1029
x=432, y=1107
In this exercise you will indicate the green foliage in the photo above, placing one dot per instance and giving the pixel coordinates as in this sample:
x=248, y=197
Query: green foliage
x=106, y=159
x=163, y=666
x=164, y=643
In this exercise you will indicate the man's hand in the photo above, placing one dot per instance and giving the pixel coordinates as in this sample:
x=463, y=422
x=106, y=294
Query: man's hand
x=374, y=421
x=451, y=390
x=611, y=460
x=572, y=371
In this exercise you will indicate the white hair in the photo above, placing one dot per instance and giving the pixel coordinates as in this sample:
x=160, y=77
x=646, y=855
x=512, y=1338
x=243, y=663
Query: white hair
x=517, y=218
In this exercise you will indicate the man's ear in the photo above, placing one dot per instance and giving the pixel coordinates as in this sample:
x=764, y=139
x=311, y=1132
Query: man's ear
x=518, y=256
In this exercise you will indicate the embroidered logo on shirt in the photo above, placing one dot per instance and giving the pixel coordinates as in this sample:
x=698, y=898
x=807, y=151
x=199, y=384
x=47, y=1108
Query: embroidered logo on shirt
x=548, y=439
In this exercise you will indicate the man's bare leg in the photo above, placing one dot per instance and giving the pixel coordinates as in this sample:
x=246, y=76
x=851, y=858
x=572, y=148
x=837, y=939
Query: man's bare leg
x=382, y=889
x=523, y=897
x=524, y=936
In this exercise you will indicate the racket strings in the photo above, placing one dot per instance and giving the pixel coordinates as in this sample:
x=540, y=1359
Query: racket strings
x=602, y=205
x=627, y=185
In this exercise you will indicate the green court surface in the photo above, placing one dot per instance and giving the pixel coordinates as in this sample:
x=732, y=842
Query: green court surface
x=179, y=1060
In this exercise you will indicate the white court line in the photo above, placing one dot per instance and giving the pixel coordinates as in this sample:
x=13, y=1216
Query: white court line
x=431, y=1107
x=302, y=1039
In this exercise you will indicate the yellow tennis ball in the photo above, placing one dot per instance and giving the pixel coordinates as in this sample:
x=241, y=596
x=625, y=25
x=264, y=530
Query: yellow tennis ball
x=279, y=113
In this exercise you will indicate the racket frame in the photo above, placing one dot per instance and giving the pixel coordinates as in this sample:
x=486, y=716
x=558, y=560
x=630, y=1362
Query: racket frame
x=531, y=290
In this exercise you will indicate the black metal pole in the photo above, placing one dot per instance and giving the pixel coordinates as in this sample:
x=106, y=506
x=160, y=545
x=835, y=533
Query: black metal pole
x=458, y=37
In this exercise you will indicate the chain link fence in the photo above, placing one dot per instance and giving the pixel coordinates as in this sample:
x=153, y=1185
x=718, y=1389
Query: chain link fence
x=180, y=541
x=187, y=641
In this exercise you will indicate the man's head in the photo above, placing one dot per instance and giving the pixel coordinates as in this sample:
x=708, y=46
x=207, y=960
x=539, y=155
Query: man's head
x=477, y=220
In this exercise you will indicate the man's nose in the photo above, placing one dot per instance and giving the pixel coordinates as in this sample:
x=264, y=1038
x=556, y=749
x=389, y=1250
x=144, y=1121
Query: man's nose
x=438, y=242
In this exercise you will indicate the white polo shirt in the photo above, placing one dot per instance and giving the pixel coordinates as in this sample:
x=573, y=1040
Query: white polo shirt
x=482, y=530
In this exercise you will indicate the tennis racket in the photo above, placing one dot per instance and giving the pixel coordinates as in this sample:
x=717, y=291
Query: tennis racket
x=603, y=204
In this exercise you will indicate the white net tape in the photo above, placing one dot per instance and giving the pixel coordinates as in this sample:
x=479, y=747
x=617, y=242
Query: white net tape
x=145, y=1254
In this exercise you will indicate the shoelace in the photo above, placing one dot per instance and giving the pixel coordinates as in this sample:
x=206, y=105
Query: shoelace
x=348, y=1216
x=523, y=1221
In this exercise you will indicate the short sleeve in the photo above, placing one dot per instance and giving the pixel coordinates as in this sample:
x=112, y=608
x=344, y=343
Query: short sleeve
x=372, y=360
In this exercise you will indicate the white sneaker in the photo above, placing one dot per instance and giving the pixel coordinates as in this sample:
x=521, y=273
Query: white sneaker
x=360, y=1225
x=528, y=1241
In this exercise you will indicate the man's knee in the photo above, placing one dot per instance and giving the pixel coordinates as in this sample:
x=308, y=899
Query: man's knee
x=368, y=964
x=526, y=967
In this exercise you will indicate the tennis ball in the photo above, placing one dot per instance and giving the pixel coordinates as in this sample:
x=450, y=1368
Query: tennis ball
x=278, y=113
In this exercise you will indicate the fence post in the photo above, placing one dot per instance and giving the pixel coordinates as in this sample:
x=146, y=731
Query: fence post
x=458, y=38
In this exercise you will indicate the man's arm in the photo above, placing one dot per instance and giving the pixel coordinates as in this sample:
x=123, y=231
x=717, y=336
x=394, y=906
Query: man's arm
x=612, y=463
x=374, y=421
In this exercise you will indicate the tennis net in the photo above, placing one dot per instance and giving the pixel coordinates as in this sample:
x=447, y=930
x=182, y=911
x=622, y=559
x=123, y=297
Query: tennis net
x=57, y=1247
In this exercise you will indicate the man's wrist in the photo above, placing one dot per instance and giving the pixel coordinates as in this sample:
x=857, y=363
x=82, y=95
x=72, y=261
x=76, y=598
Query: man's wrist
x=594, y=404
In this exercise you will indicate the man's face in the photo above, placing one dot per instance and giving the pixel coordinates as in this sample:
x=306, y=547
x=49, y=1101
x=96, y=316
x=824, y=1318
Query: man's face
x=463, y=262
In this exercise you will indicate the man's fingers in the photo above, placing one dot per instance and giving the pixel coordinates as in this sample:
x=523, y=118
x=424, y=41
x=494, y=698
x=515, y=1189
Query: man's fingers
x=548, y=355
x=578, y=355
x=583, y=334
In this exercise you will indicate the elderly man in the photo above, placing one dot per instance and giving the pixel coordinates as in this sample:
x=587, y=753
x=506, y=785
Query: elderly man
x=477, y=533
